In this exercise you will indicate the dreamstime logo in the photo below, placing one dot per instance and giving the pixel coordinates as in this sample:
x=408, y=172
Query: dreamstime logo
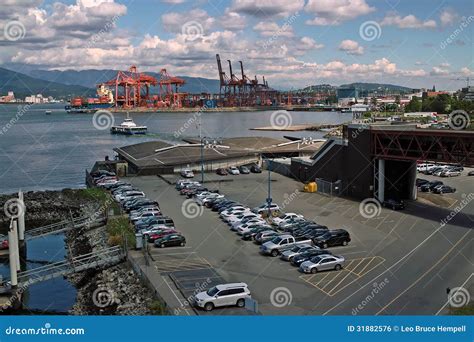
x=14, y=30
x=191, y=209
x=192, y=30
x=190, y=300
x=370, y=208
x=458, y=119
x=288, y=198
x=280, y=119
x=281, y=32
x=377, y=287
x=370, y=30
x=458, y=297
x=466, y=199
x=103, y=297
x=452, y=37
x=14, y=208
x=280, y=297
x=103, y=119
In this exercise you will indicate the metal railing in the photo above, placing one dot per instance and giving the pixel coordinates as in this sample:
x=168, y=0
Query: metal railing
x=73, y=223
x=100, y=258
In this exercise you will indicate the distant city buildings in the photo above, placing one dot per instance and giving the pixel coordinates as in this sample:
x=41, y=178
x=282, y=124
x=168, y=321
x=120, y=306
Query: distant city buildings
x=9, y=98
x=33, y=99
x=468, y=94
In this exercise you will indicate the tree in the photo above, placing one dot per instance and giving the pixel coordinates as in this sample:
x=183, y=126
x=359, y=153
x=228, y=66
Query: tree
x=414, y=105
x=397, y=99
x=373, y=101
x=366, y=101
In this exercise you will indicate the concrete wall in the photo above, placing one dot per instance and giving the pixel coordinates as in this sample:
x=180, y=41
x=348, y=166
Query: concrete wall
x=281, y=168
x=351, y=164
x=211, y=166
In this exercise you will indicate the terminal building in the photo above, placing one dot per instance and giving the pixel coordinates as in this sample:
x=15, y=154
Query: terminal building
x=379, y=160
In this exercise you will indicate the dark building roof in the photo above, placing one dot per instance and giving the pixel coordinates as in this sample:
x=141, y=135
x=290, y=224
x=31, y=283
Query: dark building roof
x=161, y=154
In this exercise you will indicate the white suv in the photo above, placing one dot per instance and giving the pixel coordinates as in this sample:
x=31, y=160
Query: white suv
x=223, y=295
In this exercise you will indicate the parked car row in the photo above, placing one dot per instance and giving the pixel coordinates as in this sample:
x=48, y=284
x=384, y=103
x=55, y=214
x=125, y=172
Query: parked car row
x=302, y=242
x=437, y=187
x=146, y=216
x=104, y=178
x=234, y=170
x=440, y=170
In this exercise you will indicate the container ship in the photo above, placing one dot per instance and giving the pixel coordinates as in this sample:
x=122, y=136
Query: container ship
x=104, y=100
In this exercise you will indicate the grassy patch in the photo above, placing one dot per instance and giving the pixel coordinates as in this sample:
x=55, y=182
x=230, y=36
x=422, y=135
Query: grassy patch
x=101, y=196
x=96, y=194
x=120, y=232
x=158, y=308
x=466, y=310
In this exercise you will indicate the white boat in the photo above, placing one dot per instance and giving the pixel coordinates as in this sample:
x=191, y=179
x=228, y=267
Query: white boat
x=128, y=127
x=48, y=112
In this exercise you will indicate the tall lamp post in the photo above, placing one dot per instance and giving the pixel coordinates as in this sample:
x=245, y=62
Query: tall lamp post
x=206, y=142
x=269, y=195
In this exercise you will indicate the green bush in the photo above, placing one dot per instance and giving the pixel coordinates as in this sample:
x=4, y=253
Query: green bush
x=120, y=231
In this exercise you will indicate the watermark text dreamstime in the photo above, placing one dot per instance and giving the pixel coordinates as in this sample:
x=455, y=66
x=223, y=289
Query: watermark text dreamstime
x=452, y=37
x=458, y=208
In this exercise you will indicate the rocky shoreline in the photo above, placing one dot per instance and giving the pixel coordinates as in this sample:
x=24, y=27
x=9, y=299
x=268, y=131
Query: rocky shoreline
x=113, y=291
x=46, y=207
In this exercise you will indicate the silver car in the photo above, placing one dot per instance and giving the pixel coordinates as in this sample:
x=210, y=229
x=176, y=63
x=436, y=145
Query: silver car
x=289, y=254
x=323, y=263
x=223, y=295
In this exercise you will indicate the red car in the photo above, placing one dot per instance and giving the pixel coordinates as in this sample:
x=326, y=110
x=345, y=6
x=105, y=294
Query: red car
x=222, y=172
x=155, y=236
x=4, y=244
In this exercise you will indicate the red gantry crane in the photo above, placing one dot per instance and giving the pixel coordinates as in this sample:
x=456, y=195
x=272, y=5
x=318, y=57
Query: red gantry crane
x=132, y=88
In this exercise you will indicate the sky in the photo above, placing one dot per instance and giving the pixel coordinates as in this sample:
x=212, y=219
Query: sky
x=293, y=43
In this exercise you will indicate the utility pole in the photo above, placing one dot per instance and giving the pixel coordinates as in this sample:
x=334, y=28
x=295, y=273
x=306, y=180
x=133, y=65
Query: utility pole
x=12, y=257
x=269, y=196
x=21, y=218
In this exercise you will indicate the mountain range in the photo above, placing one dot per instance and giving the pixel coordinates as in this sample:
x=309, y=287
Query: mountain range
x=69, y=83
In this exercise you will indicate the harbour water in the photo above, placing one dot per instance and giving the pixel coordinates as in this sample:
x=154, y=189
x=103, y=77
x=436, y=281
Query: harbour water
x=51, y=296
x=52, y=151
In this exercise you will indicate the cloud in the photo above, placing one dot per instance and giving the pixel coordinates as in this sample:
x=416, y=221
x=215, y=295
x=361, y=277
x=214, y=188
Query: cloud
x=441, y=70
x=267, y=8
x=351, y=47
x=232, y=21
x=407, y=22
x=174, y=2
x=173, y=21
x=269, y=29
x=448, y=17
x=334, y=12
x=467, y=72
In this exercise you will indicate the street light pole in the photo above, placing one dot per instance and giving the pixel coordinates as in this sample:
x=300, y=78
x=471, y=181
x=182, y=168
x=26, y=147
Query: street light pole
x=269, y=196
x=202, y=160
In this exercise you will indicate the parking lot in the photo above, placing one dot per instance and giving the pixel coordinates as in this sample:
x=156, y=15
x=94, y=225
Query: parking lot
x=398, y=262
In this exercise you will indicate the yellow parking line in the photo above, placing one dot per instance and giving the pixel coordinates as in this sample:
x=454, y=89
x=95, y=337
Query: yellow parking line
x=351, y=270
x=362, y=273
x=373, y=267
x=367, y=264
x=335, y=287
x=336, y=276
x=344, y=273
x=319, y=282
